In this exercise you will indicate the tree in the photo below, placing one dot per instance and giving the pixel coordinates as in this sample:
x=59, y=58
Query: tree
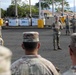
x=11, y=11
x=18, y=2
x=22, y=10
x=3, y=13
x=58, y=4
x=44, y=5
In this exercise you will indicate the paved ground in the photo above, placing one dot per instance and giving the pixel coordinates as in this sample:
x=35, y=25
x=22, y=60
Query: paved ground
x=60, y=58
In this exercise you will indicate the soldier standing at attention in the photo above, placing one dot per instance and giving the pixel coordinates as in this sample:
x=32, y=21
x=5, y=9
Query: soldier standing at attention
x=73, y=24
x=56, y=33
x=67, y=22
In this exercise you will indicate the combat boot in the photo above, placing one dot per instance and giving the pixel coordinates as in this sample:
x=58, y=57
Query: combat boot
x=59, y=48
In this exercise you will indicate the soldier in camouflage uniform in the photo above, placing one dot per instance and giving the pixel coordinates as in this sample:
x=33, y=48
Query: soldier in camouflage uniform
x=67, y=22
x=5, y=61
x=73, y=21
x=32, y=63
x=72, y=52
x=56, y=33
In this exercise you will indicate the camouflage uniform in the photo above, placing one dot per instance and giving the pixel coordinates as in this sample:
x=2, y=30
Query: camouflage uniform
x=67, y=25
x=5, y=61
x=71, y=71
x=56, y=34
x=33, y=65
x=73, y=21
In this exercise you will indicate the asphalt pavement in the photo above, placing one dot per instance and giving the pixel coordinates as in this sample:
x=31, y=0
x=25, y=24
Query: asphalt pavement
x=61, y=59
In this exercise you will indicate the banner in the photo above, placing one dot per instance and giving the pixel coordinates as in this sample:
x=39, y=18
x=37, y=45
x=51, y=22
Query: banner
x=24, y=22
x=13, y=22
x=34, y=21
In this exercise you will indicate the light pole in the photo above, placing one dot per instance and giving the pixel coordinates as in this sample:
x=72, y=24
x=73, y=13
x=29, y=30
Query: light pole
x=62, y=7
x=0, y=18
x=30, y=6
x=39, y=9
x=16, y=12
x=0, y=9
x=74, y=7
x=53, y=7
x=30, y=16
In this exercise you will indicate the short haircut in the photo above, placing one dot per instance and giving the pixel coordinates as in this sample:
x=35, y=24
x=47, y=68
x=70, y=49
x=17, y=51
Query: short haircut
x=73, y=43
x=30, y=46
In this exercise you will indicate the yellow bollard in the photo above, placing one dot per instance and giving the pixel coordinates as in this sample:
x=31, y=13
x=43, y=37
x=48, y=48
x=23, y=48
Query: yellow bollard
x=1, y=22
x=40, y=23
x=1, y=40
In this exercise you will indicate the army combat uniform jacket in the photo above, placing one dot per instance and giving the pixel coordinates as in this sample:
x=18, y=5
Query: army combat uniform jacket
x=56, y=34
x=33, y=65
x=56, y=28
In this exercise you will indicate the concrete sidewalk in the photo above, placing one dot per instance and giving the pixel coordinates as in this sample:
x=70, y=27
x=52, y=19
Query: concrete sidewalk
x=24, y=27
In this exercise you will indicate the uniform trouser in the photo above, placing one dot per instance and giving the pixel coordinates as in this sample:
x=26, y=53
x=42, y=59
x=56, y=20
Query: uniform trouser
x=67, y=29
x=56, y=40
x=73, y=29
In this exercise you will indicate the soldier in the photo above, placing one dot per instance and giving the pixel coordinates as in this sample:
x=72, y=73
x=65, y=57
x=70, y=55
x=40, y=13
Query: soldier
x=67, y=22
x=73, y=24
x=5, y=61
x=56, y=33
x=32, y=63
x=72, y=52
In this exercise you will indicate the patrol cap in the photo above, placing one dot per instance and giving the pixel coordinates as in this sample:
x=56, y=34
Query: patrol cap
x=30, y=37
x=73, y=41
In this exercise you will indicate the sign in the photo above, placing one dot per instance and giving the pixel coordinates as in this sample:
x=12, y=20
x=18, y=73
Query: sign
x=24, y=22
x=34, y=21
x=13, y=22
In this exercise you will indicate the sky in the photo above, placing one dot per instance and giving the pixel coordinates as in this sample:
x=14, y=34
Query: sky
x=5, y=3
